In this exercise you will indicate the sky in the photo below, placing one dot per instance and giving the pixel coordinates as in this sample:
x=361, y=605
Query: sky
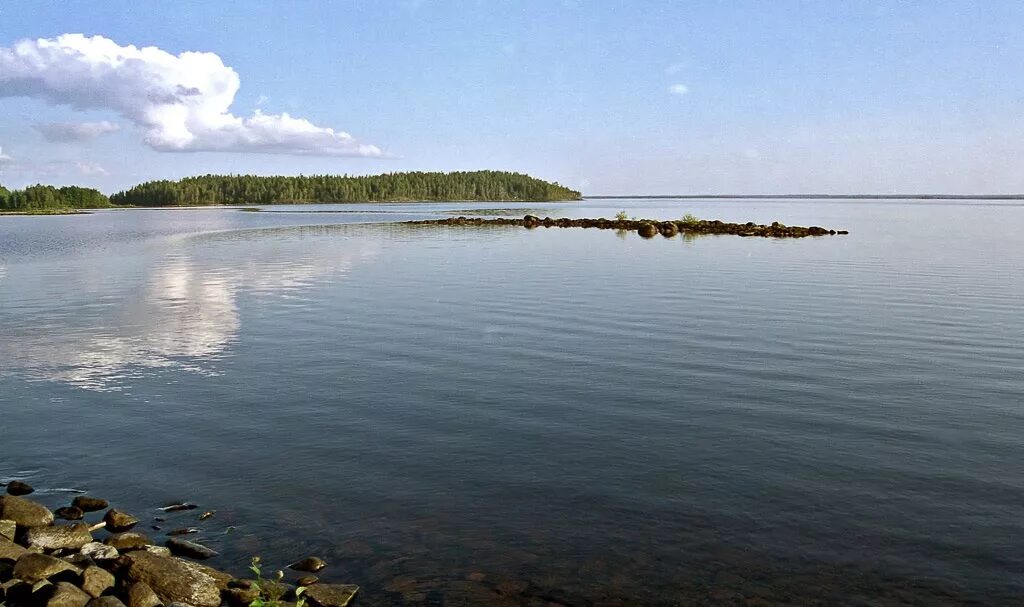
x=609, y=97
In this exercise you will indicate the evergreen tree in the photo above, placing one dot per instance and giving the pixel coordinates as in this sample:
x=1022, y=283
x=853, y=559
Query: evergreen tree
x=407, y=187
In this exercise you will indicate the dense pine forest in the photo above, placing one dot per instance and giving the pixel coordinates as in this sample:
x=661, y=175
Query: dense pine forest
x=251, y=189
x=47, y=197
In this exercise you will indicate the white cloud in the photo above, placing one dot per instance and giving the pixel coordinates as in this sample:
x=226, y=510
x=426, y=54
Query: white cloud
x=90, y=168
x=76, y=131
x=679, y=89
x=182, y=102
x=262, y=99
x=4, y=158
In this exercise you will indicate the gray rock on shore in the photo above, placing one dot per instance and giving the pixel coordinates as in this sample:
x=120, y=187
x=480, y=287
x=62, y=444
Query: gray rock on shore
x=96, y=581
x=24, y=512
x=34, y=567
x=66, y=594
x=118, y=521
x=55, y=537
x=176, y=580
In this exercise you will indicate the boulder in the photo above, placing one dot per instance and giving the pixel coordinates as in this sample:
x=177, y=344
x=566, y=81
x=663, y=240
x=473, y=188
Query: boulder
x=241, y=597
x=8, y=529
x=9, y=551
x=307, y=580
x=96, y=581
x=312, y=564
x=24, y=512
x=647, y=230
x=106, y=601
x=118, y=521
x=56, y=537
x=128, y=540
x=19, y=488
x=180, y=547
x=89, y=504
x=141, y=595
x=183, y=531
x=176, y=580
x=79, y=560
x=99, y=552
x=158, y=550
x=33, y=567
x=67, y=595
x=330, y=595
x=69, y=513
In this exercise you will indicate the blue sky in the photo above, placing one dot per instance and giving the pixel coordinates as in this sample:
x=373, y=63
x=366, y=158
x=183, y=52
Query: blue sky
x=610, y=97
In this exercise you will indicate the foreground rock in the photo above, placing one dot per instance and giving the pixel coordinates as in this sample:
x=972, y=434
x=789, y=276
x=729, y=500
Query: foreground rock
x=68, y=595
x=56, y=537
x=62, y=565
x=176, y=580
x=647, y=228
x=128, y=540
x=24, y=512
x=118, y=521
x=33, y=567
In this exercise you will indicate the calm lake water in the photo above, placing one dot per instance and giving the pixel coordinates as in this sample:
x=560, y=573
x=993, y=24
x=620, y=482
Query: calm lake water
x=459, y=416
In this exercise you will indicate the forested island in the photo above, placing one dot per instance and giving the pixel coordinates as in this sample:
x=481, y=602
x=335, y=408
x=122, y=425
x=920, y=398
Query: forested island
x=483, y=186
x=47, y=198
x=492, y=186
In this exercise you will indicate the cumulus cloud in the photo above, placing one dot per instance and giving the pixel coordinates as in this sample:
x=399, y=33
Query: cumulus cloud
x=63, y=132
x=181, y=102
x=679, y=89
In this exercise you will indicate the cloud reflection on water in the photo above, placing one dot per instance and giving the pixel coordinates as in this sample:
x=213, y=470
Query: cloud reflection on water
x=113, y=320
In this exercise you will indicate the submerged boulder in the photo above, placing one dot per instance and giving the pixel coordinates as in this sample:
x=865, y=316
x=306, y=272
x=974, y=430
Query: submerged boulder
x=69, y=513
x=331, y=595
x=89, y=504
x=182, y=547
x=312, y=564
x=19, y=488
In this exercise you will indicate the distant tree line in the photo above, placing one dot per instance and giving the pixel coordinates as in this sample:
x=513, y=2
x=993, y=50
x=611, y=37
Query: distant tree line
x=415, y=186
x=38, y=197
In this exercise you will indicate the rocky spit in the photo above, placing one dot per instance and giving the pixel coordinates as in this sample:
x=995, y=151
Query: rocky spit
x=105, y=563
x=647, y=228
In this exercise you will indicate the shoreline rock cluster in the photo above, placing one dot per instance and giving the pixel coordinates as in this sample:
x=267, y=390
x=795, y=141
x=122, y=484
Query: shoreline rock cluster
x=647, y=228
x=44, y=563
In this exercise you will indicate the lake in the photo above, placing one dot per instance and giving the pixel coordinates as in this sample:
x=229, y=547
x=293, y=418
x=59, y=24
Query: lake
x=502, y=416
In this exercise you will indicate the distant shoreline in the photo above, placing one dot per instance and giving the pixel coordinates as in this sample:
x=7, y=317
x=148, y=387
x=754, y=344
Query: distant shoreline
x=821, y=196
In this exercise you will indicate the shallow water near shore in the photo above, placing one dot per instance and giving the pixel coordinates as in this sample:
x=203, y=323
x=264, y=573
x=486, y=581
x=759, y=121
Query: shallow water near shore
x=532, y=417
